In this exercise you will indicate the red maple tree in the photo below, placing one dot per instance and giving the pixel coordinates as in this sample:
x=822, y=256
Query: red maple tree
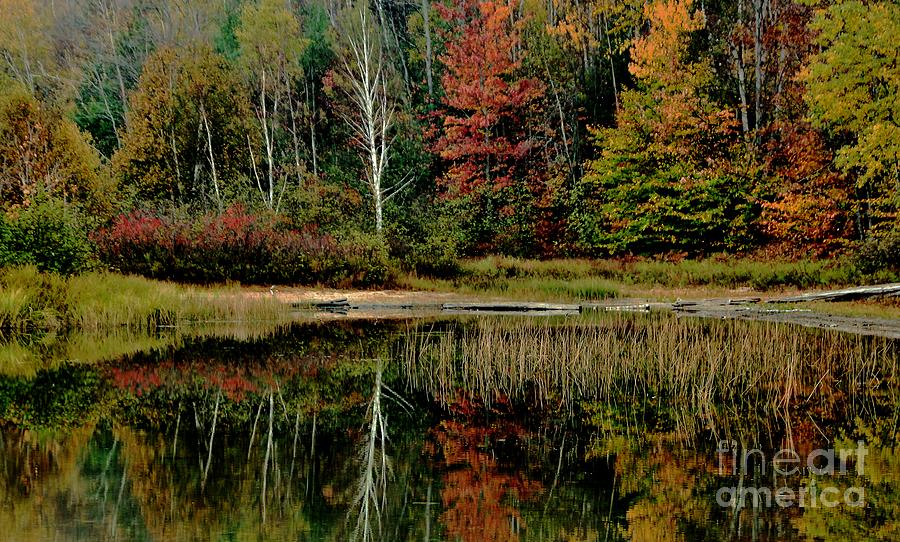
x=485, y=136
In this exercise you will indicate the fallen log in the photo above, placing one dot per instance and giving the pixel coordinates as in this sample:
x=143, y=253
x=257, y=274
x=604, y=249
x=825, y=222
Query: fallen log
x=506, y=312
x=510, y=306
x=743, y=301
x=846, y=294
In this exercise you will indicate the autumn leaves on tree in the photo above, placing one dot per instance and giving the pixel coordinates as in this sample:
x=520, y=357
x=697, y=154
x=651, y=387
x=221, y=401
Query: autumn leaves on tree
x=531, y=128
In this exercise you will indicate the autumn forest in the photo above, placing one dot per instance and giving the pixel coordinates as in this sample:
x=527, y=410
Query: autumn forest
x=418, y=132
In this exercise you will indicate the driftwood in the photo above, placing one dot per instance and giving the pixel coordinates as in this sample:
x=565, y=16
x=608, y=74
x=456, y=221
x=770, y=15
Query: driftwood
x=846, y=294
x=340, y=306
x=747, y=308
x=511, y=307
x=744, y=301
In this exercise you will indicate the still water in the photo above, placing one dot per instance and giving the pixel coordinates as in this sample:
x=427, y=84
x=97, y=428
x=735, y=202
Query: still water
x=491, y=429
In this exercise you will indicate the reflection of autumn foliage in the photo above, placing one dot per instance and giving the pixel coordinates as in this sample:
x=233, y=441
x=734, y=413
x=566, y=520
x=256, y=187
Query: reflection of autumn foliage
x=40, y=481
x=668, y=479
x=234, y=380
x=478, y=497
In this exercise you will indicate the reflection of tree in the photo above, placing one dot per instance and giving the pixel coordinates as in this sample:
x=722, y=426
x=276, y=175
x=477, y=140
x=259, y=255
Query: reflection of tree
x=480, y=499
x=225, y=439
x=371, y=492
x=62, y=486
x=880, y=518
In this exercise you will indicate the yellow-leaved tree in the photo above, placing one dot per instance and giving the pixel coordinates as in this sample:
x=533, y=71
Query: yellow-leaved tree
x=852, y=89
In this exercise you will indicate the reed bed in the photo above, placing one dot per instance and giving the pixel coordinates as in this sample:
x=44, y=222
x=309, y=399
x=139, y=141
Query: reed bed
x=658, y=357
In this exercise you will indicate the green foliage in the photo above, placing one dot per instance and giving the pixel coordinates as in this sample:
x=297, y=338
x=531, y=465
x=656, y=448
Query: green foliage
x=709, y=133
x=47, y=234
x=165, y=155
x=361, y=260
x=43, y=154
x=7, y=255
x=664, y=181
x=30, y=299
x=427, y=243
x=853, y=83
x=597, y=279
x=63, y=397
x=879, y=253
x=101, y=113
x=636, y=204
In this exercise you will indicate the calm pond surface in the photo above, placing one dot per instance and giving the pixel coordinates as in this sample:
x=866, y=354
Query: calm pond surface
x=610, y=427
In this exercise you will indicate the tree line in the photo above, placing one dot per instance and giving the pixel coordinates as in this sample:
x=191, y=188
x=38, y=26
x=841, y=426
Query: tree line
x=525, y=127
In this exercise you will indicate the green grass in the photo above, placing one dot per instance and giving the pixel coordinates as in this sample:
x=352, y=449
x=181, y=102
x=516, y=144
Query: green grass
x=582, y=279
x=31, y=300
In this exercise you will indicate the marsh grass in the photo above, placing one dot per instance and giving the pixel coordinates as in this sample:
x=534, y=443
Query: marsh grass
x=31, y=300
x=582, y=279
x=694, y=363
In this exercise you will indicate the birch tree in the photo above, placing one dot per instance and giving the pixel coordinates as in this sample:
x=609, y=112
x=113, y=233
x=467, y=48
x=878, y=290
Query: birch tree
x=271, y=46
x=372, y=114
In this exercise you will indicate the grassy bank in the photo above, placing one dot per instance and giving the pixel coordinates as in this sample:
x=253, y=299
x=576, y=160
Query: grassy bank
x=600, y=279
x=31, y=300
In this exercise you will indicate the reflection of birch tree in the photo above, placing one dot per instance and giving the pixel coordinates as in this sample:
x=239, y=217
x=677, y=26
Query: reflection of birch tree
x=204, y=465
x=371, y=492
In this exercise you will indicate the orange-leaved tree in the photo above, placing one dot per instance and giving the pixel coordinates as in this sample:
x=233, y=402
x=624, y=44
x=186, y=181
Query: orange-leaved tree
x=490, y=131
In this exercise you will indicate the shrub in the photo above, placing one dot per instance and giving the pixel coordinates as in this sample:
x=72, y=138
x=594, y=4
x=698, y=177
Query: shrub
x=238, y=246
x=878, y=254
x=48, y=235
x=429, y=247
x=7, y=256
x=362, y=260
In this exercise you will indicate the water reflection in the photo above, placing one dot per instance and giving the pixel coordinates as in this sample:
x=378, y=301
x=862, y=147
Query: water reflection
x=458, y=430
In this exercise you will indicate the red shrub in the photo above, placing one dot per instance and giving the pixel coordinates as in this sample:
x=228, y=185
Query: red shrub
x=237, y=246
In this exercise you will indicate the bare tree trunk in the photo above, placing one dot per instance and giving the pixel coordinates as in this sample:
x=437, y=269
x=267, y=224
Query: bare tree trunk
x=758, y=14
x=253, y=431
x=265, y=471
x=737, y=57
x=311, y=468
x=264, y=122
x=175, y=440
x=111, y=23
x=562, y=119
x=311, y=110
x=212, y=158
x=212, y=435
x=426, y=18
x=295, y=138
x=428, y=514
x=373, y=117
x=98, y=79
x=612, y=67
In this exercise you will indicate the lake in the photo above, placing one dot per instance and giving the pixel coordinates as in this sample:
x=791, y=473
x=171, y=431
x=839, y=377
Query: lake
x=604, y=427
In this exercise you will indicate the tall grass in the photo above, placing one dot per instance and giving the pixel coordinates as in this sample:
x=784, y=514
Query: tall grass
x=694, y=363
x=597, y=279
x=31, y=300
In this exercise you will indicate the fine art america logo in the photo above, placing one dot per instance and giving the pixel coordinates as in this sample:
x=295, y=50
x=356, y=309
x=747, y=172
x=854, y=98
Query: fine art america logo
x=734, y=460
